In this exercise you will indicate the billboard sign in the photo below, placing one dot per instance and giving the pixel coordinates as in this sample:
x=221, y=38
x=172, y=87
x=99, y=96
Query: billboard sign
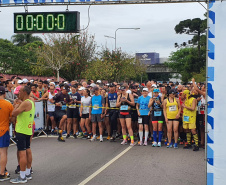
x=148, y=58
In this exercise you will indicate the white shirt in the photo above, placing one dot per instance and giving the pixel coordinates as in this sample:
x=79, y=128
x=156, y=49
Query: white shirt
x=86, y=102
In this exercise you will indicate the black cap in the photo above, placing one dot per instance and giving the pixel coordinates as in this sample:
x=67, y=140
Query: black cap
x=2, y=90
x=172, y=91
x=111, y=85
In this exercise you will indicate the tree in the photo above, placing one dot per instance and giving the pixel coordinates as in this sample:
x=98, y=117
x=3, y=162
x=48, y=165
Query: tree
x=58, y=51
x=23, y=39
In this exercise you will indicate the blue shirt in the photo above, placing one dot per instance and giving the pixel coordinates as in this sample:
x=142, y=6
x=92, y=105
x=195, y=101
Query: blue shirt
x=97, y=102
x=143, y=105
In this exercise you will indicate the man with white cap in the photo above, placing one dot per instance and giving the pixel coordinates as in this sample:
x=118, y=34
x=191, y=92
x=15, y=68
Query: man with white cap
x=25, y=81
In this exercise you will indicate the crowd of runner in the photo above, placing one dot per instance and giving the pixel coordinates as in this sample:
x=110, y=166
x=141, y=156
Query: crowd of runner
x=155, y=113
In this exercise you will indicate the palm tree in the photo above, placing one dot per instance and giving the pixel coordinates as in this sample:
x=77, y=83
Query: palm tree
x=23, y=39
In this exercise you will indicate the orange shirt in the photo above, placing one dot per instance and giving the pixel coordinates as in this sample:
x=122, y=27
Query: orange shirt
x=6, y=109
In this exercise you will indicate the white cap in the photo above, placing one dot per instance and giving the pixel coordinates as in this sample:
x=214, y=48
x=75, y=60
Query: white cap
x=31, y=80
x=99, y=81
x=153, y=85
x=92, y=85
x=25, y=80
x=81, y=88
x=65, y=83
x=48, y=80
x=52, y=83
x=19, y=81
x=145, y=89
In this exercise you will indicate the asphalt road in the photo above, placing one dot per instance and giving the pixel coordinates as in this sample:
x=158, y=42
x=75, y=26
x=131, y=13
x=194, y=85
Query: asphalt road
x=74, y=161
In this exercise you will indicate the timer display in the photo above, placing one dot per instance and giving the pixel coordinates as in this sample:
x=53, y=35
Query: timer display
x=47, y=22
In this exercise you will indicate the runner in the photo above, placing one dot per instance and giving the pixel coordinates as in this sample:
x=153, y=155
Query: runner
x=111, y=101
x=172, y=109
x=189, y=119
x=97, y=113
x=60, y=101
x=6, y=109
x=124, y=102
x=143, y=113
x=84, y=114
x=157, y=117
x=25, y=113
x=73, y=111
x=9, y=92
x=34, y=92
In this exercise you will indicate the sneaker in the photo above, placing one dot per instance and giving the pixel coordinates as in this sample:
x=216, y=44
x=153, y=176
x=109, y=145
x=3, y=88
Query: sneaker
x=31, y=171
x=29, y=177
x=124, y=142
x=154, y=144
x=159, y=144
x=68, y=135
x=7, y=174
x=181, y=143
x=52, y=132
x=84, y=137
x=175, y=145
x=98, y=137
x=132, y=144
x=187, y=146
x=64, y=132
x=170, y=145
x=145, y=143
x=196, y=148
x=75, y=136
x=93, y=139
x=80, y=135
x=18, y=180
x=112, y=139
x=166, y=141
x=4, y=178
x=109, y=137
x=116, y=135
x=61, y=139
x=101, y=140
x=17, y=171
x=141, y=143
x=89, y=137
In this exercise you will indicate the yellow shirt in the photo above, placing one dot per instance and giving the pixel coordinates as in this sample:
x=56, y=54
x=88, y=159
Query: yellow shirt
x=188, y=115
x=171, y=109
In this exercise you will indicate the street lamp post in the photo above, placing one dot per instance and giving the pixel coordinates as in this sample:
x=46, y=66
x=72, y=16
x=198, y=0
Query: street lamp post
x=120, y=29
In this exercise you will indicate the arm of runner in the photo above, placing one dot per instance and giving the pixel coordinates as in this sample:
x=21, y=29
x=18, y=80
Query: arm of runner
x=45, y=96
x=197, y=89
x=150, y=102
x=192, y=108
x=118, y=101
x=132, y=103
x=107, y=106
x=164, y=110
x=81, y=108
x=137, y=107
x=179, y=108
x=20, y=108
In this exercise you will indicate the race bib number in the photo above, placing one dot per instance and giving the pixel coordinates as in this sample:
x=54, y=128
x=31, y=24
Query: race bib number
x=136, y=100
x=139, y=119
x=112, y=103
x=157, y=113
x=96, y=107
x=72, y=106
x=124, y=107
x=172, y=108
x=186, y=118
x=64, y=107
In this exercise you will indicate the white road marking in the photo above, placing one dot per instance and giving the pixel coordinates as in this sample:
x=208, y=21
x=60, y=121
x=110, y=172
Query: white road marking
x=105, y=166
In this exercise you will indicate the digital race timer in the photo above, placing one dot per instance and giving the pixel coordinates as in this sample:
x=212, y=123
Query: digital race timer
x=47, y=22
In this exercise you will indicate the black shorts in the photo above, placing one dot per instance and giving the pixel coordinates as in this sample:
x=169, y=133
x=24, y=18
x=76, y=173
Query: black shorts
x=85, y=116
x=200, y=121
x=144, y=121
x=173, y=120
x=23, y=141
x=134, y=115
x=51, y=114
x=72, y=113
x=59, y=114
x=124, y=116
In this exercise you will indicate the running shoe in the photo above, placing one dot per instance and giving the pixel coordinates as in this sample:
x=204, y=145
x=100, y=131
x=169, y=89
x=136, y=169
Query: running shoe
x=4, y=178
x=141, y=143
x=196, y=148
x=175, y=145
x=112, y=139
x=18, y=180
x=31, y=171
x=52, y=132
x=166, y=141
x=75, y=136
x=124, y=142
x=68, y=135
x=101, y=139
x=109, y=137
x=116, y=135
x=61, y=139
x=187, y=146
x=181, y=143
x=145, y=143
x=93, y=139
x=89, y=137
x=98, y=137
x=154, y=144
x=159, y=144
x=64, y=132
x=170, y=145
x=7, y=174
x=17, y=171
x=84, y=137
x=29, y=177
x=132, y=144
x=80, y=135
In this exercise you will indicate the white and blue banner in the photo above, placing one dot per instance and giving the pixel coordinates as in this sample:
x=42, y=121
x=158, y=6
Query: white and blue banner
x=39, y=116
x=216, y=151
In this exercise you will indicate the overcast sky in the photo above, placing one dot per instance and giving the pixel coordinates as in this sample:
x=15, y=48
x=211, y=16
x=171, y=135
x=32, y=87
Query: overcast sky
x=156, y=23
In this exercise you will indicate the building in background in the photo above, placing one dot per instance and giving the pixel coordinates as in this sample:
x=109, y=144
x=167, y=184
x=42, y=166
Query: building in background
x=148, y=58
